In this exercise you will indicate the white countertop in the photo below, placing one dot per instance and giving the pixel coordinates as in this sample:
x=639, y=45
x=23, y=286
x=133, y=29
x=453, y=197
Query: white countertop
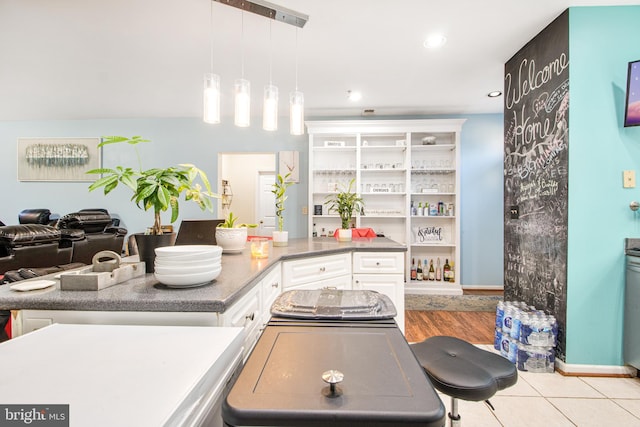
x=119, y=375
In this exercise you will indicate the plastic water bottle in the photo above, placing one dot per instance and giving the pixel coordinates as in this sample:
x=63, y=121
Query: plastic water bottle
x=499, y=314
x=497, y=338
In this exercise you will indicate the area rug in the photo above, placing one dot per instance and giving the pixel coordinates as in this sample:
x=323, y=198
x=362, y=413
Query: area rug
x=451, y=302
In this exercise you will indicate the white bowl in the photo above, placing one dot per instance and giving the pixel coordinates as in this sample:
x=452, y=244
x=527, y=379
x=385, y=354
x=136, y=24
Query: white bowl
x=187, y=251
x=202, y=256
x=172, y=269
x=188, y=262
x=186, y=280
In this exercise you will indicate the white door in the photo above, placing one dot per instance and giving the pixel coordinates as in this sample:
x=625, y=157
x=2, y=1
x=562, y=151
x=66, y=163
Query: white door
x=266, y=206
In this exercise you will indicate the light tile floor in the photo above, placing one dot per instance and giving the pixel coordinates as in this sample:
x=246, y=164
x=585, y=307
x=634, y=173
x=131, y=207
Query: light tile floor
x=554, y=400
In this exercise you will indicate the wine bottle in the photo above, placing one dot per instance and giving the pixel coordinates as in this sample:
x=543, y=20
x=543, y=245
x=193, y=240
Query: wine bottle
x=419, y=275
x=414, y=272
x=432, y=271
x=452, y=273
x=446, y=271
x=438, y=271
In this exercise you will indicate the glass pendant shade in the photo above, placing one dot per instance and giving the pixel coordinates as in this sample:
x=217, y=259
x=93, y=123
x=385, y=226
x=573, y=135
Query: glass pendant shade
x=211, y=112
x=296, y=113
x=243, y=103
x=270, y=108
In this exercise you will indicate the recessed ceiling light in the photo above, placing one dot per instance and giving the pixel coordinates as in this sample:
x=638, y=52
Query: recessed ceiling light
x=434, y=41
x=353, y=95
x=494, y=94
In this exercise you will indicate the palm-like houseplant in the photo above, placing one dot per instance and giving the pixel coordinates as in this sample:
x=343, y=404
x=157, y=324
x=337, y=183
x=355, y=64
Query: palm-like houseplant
x=158, y=189
x=345, y=203
x=281, y=237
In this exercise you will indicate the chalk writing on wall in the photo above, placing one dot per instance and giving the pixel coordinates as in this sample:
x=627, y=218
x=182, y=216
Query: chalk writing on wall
x=536, y=113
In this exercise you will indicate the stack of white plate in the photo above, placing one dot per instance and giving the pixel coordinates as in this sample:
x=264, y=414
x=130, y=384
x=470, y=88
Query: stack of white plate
x=187, y=266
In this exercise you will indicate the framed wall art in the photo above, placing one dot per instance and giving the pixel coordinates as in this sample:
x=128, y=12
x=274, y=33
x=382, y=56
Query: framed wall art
x=288, y=163
x=58, y=159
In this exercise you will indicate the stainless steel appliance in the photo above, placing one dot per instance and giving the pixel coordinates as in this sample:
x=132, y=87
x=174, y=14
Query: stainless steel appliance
x=632, y=304
x=332, y=358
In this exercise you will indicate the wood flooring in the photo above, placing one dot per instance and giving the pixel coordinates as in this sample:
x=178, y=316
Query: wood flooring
x=475, y=327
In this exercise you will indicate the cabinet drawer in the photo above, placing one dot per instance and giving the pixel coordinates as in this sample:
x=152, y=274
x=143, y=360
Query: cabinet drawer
x=317, y=269
x=378, y=262
x=340, y=282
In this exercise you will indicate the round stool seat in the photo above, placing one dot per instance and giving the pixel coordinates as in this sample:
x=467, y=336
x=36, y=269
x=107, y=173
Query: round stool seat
x=462, y=370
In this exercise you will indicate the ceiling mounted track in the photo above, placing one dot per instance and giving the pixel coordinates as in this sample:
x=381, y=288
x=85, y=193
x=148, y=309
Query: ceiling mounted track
x=269, y=10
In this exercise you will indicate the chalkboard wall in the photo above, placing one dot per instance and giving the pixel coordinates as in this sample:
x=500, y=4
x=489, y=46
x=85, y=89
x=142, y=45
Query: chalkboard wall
x=536, y=117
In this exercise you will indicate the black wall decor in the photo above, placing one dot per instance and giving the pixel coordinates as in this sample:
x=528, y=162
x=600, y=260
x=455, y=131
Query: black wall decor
x=536, y=137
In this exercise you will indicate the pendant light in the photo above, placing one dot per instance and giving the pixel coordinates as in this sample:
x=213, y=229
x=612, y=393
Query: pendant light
x=211, y=108
x=296, y=104
x=242, y=90
x=270, y=103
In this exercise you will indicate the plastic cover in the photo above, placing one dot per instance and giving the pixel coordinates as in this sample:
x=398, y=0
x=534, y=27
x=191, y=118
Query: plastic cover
x=333, y=304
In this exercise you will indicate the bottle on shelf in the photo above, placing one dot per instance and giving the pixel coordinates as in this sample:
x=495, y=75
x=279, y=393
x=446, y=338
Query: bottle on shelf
x=446, y=271
x=323, y=233
x=432, y=271
x=315, y=231
x=414, y=272
x=420, y=209
x=438, y=271
x=414, y=210
x=419, y=274
x=452, y=273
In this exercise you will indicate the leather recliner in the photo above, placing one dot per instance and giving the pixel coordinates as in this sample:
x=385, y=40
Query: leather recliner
x=32, y=245
x=99, y=234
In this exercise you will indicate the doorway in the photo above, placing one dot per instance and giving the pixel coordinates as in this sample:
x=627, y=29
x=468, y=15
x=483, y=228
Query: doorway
x=250, y=176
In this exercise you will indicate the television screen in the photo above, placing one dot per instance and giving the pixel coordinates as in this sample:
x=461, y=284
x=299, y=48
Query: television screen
x=632, y=110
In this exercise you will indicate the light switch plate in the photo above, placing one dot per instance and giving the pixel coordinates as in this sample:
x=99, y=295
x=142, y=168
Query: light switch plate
x=629, y=179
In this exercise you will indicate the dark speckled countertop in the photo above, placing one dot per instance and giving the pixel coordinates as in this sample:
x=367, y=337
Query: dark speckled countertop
x=239, y=274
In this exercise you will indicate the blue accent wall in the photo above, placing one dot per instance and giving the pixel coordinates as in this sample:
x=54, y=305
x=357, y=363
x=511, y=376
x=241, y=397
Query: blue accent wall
x=189, y=140
x=602, y=40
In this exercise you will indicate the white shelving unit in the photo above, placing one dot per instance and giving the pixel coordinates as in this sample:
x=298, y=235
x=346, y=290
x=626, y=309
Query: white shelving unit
x=392, y=168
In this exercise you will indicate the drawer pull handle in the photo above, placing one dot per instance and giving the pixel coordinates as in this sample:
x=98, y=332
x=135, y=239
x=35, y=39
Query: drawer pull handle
x=275, y=284
x=378, y=263
x=322, y=269
x=250, y=317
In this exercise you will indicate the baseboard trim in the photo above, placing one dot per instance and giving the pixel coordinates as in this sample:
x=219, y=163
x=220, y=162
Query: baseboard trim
x=483, y=288
x=571, y=369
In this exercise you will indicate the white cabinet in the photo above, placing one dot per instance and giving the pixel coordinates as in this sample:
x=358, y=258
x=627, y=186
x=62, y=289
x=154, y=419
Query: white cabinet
x=245, y=313
x=317, y=272
x=395, y=164
x=271, y=287
x=382, y=272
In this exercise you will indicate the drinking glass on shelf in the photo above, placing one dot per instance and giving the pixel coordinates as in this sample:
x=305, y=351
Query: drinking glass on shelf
x=450, y=187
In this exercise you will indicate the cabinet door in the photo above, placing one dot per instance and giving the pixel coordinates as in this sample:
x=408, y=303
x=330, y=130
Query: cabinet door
x=378, y=262
x=245, y=313
x=271, y=286
x=391, y=285
x=318, y=269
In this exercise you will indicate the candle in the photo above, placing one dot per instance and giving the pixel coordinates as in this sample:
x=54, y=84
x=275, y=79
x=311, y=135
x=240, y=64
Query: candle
x=260, y=247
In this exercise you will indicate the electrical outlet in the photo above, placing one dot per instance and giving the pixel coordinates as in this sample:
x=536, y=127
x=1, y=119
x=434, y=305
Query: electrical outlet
x=629, y=179
x=305, y=210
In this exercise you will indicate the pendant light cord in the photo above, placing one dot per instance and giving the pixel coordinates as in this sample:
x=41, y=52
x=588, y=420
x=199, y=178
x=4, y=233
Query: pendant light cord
x=296, y=55
x=242, y=44
x=270, y=51
x=211, y=34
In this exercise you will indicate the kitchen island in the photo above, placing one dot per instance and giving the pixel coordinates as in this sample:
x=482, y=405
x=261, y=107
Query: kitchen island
x=240, y=295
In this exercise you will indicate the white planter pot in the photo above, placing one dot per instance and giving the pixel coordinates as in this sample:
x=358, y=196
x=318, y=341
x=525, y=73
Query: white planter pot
x=231, y=239
x=344, y=235
x=280, y=238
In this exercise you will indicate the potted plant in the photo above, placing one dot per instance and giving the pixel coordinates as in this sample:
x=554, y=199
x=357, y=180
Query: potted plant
x=156, y=188
x=345, y=203
x=281, y=237
x=231, y=237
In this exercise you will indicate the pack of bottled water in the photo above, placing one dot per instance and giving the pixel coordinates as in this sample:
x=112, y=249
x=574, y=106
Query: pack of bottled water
x=526, y=336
